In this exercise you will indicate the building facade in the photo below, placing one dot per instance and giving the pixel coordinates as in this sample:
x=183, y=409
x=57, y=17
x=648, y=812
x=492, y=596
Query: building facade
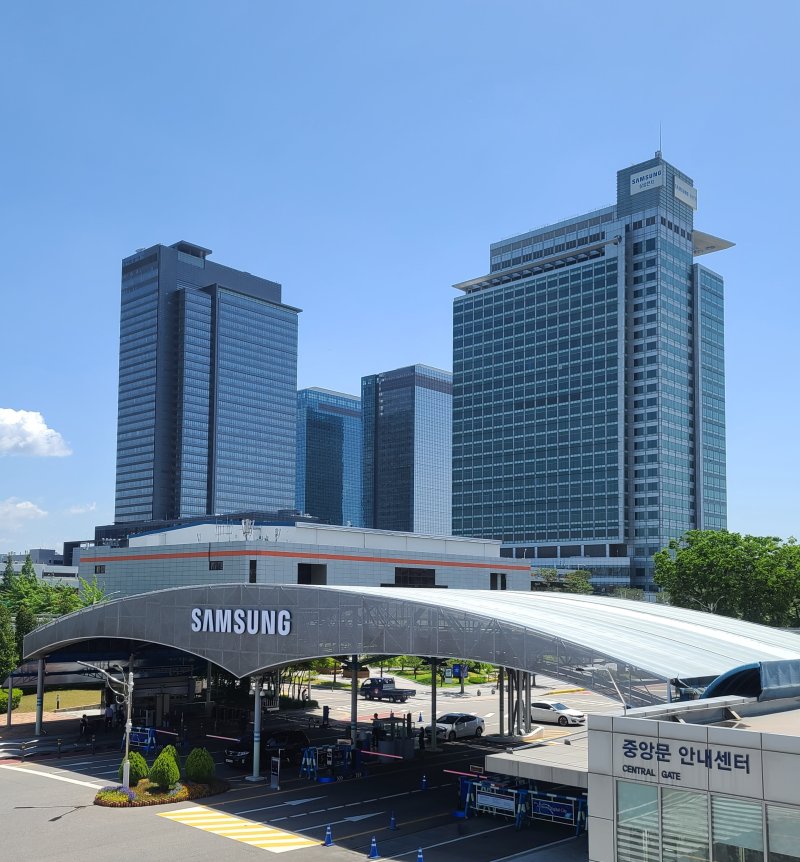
x=302, y=553
x=207, y=389
x=588, y=384
x=407, y=416
x=329, y=456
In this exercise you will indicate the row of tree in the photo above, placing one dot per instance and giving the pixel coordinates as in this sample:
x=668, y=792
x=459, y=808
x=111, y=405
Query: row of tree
x=27, y=601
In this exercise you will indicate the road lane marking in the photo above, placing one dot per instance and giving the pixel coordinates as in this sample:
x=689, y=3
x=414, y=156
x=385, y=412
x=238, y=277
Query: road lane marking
x=51, y=775
x=241, y=830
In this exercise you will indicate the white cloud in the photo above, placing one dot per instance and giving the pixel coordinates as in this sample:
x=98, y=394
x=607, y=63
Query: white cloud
x=81, y=510
x=24, y=432
x=14, y=512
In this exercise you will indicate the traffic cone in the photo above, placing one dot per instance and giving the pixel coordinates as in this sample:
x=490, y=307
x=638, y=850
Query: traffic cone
x=420, y=718
x=392, y=822
x=424, y=782
x=419, y=855
x=373, y=850
x=328, y=837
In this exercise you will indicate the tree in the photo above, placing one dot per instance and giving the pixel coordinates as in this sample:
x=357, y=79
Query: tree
x=578, y=581
x=25, y=622
x=27, y=570
x=8, y=573
x=90, y=594
x=8, y=647
x=754, y=578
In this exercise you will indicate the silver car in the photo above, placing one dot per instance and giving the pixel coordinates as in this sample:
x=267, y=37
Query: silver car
x=455, y=725
x=556, y=713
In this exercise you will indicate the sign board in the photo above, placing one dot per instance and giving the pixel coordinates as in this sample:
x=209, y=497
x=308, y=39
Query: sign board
x=275, y=773
x=681, y=763
x=551, y=808
x=685, y=193
x=495, y=800
x=645, y=180
x=448, y=673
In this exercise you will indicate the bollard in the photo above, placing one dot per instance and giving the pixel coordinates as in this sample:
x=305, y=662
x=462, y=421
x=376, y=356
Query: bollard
x=58, y=702
x=373, y=850
x=392, y=822
x=328, y=837
x=58, y=743
x=420, y=718
x=92, y=743
x=479, y=692
x=424, y=782
x=419, y=855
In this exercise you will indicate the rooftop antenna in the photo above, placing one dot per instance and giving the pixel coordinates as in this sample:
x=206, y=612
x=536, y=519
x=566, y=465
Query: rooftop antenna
x=658, y=151
x=247, y=528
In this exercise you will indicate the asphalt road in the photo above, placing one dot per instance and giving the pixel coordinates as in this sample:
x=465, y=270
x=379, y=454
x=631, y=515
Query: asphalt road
x=54, y=819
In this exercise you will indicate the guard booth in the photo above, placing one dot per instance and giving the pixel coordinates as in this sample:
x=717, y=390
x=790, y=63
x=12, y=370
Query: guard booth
x=394, y=736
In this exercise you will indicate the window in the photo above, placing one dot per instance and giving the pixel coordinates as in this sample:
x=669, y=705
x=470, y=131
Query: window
x=684, y=826
x=404, y=577
x=736, y=830
x=312, y=573
x=637, y=822
x=783, y=829
x=497, y=581
x=215, y=565
x=99, y=570
x=251, y=575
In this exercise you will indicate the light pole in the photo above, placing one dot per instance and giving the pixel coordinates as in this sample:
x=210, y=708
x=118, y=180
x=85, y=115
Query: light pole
x=122, y=688
x=607, y=669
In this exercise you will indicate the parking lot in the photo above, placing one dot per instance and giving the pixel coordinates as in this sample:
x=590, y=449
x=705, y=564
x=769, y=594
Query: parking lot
x=406, y=805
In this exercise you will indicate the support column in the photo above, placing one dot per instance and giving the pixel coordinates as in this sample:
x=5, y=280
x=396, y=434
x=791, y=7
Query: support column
x=434, y=680
x=208, y=689
x=501, y=684
x=39, y=697
x=510, y=702
x=256, y=776
x=527, y=702
x=520, y=701
x=354, y=700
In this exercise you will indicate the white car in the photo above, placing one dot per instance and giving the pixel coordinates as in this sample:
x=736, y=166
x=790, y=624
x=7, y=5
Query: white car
x=556, y=713
x=454, y=725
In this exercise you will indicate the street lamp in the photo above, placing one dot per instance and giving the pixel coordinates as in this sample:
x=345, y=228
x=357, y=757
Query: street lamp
x=122, y=688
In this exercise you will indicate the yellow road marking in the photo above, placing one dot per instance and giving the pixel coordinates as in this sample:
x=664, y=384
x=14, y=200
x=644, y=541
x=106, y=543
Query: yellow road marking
x=239, y=829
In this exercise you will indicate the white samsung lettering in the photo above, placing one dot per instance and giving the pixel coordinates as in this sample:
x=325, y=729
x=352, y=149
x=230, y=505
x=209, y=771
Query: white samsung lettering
x=239, y=621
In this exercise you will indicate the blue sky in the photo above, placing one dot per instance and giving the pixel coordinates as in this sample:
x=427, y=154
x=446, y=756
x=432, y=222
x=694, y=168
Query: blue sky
x=365, y=154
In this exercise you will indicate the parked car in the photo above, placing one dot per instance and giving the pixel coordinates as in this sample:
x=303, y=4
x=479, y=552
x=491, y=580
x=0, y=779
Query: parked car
x=556, y=713
x=455, y=725
x=290, y=743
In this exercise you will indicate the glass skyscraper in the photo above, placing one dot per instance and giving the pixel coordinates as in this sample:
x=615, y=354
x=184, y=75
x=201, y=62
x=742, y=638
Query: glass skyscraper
x=329, y=452
x=407, y=417
x=207, y=389
x=589, y=386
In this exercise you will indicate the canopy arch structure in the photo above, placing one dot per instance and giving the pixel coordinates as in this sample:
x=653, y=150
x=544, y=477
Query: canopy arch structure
x=564, y=634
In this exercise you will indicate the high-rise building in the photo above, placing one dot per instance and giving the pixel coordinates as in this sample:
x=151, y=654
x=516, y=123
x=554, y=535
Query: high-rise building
x=329, y=452
x=408, y=449
x=589, y=386
x=207, y=389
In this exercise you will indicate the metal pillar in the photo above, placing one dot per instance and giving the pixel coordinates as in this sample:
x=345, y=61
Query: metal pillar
x=434, y=680
x=510, y=695
x=501, y=684
x=354, y=700
x=256, y=776
x=39, y=696
x=518, y=703
x=208, y=688
x=527, y=702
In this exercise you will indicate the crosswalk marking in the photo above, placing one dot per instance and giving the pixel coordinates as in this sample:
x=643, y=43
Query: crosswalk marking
x=239, y=829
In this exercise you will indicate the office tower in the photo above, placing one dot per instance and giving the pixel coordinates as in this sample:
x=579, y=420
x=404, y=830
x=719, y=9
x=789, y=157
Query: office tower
x=408, y=449
x=588, y=383
x=329, y=442
x=207, y=389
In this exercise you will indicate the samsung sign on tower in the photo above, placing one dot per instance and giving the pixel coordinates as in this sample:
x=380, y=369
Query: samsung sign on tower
x=241, y=621
x=649, y=179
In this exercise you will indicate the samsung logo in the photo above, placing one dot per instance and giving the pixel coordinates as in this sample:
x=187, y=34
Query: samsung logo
x=649, y=179
x=239, y=621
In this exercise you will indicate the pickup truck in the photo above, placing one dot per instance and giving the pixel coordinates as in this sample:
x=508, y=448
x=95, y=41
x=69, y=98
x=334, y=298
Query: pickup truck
x=383, y=688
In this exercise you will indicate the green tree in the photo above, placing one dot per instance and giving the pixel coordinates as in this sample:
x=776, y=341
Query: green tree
x=8, y=572
x=8, y=646
x=25, y=622
x=91, y=593
x=754, y=578
x=579, y=581
x=164, y=772
x=27, y=570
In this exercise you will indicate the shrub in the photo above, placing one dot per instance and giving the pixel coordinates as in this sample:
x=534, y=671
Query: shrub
x=172, y=752
x=164, y=772
x=138, y=768
x=199, y=766
x=16, y=696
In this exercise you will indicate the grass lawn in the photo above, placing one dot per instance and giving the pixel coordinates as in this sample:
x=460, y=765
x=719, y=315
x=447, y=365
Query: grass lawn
x=77, y=698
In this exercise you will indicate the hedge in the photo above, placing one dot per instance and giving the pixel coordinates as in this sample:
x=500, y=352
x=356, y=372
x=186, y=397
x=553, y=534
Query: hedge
x=199, y=766
x=164, y=772
x=16, y=696
x=138, y=768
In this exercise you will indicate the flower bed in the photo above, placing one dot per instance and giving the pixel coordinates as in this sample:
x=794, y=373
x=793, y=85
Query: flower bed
x=147, y=792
